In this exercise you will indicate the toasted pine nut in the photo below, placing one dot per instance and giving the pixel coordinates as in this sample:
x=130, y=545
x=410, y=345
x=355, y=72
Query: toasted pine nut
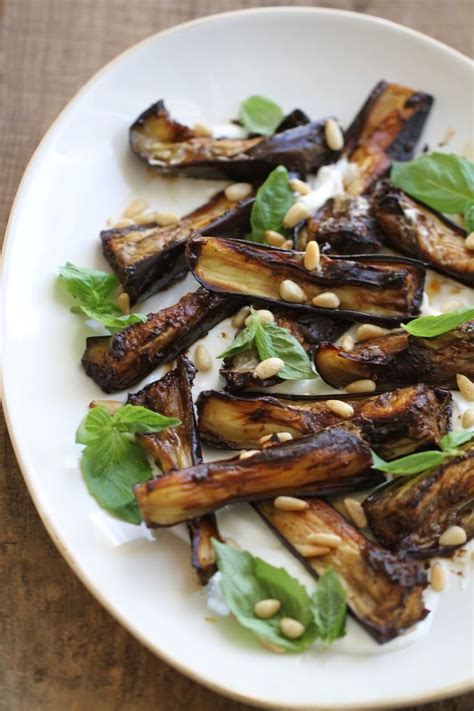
x=299, y=186
x=289, y=291
x=290, y=503
x=265, y=438
x=110, y=405
x=347, y=344
x=291, y=628
x=135, y=207
x=452, y=305
x=123, y=302
x=469, y=242
x=270, y=646
x=356, y=512
x=297, y=212
x=268, y=368
x=333, y=135
x=287, y=244
x=327, y=300
x=309, y=551
x=468, y=419
x=369, y=330
x=466, y=386
x=284, y=436
x=238, y=319
x=264, y=315
x=453, y=536
x=311, y=256
x=438, y=577
x=361, y=386
x=331, y=540
x=238, y=191
x=341, y=408
x=163, y=219
x=124, y=222
x=266, y=608
x=145, y=218
x=275, y=239
x=202, y=359
x=248, y=453
x=201, y=130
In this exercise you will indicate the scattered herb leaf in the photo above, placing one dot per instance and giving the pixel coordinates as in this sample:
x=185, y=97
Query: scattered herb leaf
x=469, y=218
x=272, y=201
x=455, y=439
x=431, y=326
x=329, y=607
x=260, y=115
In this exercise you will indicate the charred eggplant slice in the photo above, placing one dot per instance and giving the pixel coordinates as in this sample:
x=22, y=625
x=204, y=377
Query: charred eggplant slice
x=120, y=361
x=180, y=447
x=148, y=258
x=395, y=423
x=384, y=591
x=174, y=149
x=330, y=461
x=401, y=359
x=370, y=288
x=414, y=229
x=411, y=514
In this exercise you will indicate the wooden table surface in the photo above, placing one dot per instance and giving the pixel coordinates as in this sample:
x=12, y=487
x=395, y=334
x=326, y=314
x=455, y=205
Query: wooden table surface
x=59, y=650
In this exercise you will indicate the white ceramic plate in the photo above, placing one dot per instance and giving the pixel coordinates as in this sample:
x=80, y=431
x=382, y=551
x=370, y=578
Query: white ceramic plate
x=326, y=62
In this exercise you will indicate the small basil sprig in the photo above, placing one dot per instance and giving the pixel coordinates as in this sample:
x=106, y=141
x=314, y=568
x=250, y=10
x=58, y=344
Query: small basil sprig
x=272, y=201
x=272, y=341
x=443, y=181
x=260, y=115
x=431, y=326
x=112, y=461
x=92, y=290
x=246, y=580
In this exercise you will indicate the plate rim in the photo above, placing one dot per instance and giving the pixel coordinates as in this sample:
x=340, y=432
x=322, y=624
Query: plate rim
x=47, y=520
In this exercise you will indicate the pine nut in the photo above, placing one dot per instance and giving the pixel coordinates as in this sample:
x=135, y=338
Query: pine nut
x=136, y=207
x=123, y=302
x=125, y=222
x=295, y=214
x=270, y=646
x=145, y=218
x=284, y=436
x=291, y=628
x=453, y=536
x=361, y=386
x=238, y=191
x=331, y=540
x=311, y=256
x=266, y=608
x=265, y=438
x=438, y=577
x=308, y=551
x=347, y=344
x=466, y=387
x=341, y=408
x=110, y=405
x=275, y=239
x=268, y=368
x=369, y=330
x=356, y=512
x=290, y=503
x=201, y=130
x=287, y=244
x=299, y=186
x=452, y=305
x=202, y=359
x=469, y=242
x=468, y=419
x=238, y=319
x=289, y=291
x=164, y=219
x=264, y=316
x=248, y=453
x=333, y=135
x=327, y=300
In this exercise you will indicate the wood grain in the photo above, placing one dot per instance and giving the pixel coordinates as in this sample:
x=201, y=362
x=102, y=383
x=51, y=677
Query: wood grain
x=58, y=648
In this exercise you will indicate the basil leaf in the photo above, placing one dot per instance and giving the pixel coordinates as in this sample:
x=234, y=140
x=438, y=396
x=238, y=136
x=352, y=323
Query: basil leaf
x=443, y=181
x=135, y=418
x=330, y=607
x=260, y=115
x=113, y=323
x=431, y=326
x=469, y=218
x=413, y=463
x=242, y=342
x=272, y=201
x=454, y=439
x=95, y=425
x=274, y=341
x=376, y=460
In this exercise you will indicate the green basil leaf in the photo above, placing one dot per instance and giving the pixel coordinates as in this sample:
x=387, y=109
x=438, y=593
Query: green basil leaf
x=330, y=607
x=272, y=201
x=274, y=341
x=242, y=342
x=376, y=460
x=113, y=323
x=413, y=463
x=469, y=218
x=260, y=115
x=135, y=419
x=89, y=286
x=431, y=326
x=443, y=181
x=94, y=425
x=455, y=439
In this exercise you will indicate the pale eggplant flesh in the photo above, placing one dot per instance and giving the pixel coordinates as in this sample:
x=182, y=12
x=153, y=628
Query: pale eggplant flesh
x=334, y=460
x=384, y=591
x=372, y=288
x=411, y=513
x=394, y=423
x=398, y=359
x=177, y=447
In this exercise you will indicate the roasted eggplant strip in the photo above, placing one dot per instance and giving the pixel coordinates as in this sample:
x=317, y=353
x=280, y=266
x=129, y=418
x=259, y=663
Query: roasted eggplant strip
x=178, y=447
x=175, y=149
x=148, y=258
x=120, y=361
x=394, y=423
x=412, y=228
x=331, y=461
x=398, y=359
x=410, y=514
x=370, y=288
x=384, y=591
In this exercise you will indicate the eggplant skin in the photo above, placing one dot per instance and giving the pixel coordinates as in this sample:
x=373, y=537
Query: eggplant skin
x=398, y=359
x=331, y=461
x=394, y=423
x=370, y=288
x=384, y=591
x=412, y=228
x=120, y=361
x=174, y=149
x=148, y=258
x=411, y=514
